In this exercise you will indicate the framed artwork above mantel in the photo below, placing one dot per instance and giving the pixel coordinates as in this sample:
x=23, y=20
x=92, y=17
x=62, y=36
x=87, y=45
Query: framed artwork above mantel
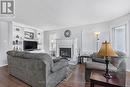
x=28, y=35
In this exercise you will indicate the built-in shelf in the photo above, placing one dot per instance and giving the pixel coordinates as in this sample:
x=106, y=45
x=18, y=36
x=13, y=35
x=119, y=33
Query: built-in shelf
x=19, y=32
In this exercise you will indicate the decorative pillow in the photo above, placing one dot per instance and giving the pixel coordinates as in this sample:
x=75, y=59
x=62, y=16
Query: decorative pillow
x=56, y=60
x=120, y=54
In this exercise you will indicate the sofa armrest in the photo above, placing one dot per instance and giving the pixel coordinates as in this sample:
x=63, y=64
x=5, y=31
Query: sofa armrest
x=60, y=64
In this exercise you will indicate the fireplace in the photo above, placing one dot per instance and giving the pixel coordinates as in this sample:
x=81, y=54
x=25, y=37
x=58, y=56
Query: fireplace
x=65, y=52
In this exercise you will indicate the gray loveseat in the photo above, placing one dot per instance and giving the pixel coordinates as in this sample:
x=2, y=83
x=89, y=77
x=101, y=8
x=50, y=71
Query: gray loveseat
x=37, y=69
x=116, y=65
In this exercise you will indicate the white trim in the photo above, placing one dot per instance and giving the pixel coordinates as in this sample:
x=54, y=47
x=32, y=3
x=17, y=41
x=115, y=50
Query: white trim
x=114, y=33
x=126, y=23
x=26, y=26
x=3, y=65
x=128, y=70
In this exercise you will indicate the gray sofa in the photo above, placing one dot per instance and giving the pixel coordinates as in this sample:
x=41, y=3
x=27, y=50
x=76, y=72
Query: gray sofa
x=37, y=69
x=116, y=65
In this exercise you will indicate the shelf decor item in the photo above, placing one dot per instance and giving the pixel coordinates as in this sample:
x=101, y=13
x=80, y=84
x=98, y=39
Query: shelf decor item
x=17, y=29
x=107, y=52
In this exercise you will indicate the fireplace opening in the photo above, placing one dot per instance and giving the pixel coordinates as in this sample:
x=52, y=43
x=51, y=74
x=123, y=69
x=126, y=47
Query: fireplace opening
x=65, y=52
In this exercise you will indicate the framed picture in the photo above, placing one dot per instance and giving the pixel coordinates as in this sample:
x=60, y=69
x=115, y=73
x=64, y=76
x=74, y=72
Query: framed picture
x=28, y=35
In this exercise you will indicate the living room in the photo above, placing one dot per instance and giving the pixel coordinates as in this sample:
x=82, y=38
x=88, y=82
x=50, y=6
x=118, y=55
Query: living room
x=70, y=32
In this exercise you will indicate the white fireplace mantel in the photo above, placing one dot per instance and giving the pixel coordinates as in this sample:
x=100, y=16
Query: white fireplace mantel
x=67, y=43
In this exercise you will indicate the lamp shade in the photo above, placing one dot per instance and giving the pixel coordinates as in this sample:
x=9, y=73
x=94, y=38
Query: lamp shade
x=97, y=33
x=106, y=50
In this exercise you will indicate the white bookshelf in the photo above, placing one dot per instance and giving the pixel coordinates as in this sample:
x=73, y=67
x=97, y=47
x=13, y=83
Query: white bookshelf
x=18, y=36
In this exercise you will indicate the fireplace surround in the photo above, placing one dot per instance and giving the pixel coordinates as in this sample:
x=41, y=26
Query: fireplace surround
x=65, y=52
x=67, y=48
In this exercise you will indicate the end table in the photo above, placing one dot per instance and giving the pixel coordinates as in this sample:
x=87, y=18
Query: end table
x=98, y=78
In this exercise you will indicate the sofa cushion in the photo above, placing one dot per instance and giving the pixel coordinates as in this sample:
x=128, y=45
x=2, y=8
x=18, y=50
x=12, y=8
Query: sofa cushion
x=60, y=64
x=100, y=66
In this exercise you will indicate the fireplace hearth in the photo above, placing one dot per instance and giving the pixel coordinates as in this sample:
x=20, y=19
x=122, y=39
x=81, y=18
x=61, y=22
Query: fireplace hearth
x=65, y=52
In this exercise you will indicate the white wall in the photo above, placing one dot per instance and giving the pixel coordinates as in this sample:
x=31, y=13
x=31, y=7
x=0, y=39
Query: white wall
x=87, y=38
x=84, y=34
x=76, y=33
x=128, y=62
x=5, y=41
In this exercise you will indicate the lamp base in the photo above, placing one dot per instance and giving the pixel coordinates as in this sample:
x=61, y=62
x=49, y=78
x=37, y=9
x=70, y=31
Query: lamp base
x=107, y=75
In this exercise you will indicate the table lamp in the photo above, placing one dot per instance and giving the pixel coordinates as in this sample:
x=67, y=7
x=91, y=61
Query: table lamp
x=107, y=52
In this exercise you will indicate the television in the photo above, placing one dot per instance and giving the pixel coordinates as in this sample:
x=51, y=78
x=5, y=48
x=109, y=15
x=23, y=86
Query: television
x=30, y=45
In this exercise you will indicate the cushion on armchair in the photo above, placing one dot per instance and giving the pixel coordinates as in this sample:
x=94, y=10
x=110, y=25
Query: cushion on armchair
x=121, y=54
x=95, y=58
x=100, y=66
x=117, y=60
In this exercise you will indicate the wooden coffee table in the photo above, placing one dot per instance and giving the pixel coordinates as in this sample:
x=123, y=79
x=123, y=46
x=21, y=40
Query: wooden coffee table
x=98, y=78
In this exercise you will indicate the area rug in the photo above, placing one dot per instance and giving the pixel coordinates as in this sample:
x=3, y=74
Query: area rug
x=70, y=68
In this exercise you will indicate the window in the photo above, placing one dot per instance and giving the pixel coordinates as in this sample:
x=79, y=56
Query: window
x=120, y=38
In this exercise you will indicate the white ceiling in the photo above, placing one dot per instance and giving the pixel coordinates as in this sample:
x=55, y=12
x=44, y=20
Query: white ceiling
x=51, y=14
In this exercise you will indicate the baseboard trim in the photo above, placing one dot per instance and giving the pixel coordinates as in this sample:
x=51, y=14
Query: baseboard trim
x=3, y=65
x=128, y=70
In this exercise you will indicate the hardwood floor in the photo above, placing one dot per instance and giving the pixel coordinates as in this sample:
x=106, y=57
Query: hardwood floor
x=76, y=79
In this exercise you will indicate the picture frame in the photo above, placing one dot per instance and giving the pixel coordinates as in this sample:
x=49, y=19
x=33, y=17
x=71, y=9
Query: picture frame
x=28, y=35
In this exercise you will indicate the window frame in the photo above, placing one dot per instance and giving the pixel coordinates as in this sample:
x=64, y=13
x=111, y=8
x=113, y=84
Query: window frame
x=113, y=32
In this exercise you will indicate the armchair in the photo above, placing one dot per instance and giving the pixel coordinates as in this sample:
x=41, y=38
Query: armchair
x=117, y=65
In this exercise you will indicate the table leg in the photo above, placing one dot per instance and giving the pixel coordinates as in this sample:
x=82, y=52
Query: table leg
x=79, y=60
x=91, y=84
x=82, y=60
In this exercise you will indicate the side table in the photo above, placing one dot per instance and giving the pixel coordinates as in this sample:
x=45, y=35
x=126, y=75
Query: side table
x=98, y=78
